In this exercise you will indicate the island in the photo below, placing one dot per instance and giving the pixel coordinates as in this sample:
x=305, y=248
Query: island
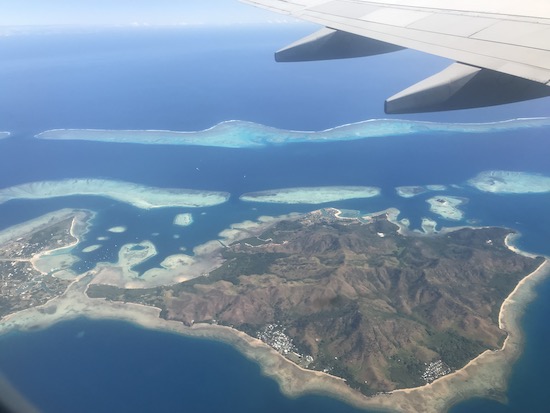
x=357, y=300
x=354, y=306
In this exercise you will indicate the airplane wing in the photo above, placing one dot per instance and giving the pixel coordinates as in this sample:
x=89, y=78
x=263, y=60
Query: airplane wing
x=501, y=47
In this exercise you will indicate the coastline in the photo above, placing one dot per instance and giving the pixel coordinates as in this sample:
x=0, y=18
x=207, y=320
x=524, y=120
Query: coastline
x=485, y=375
x=35, y=224
x=57, y=260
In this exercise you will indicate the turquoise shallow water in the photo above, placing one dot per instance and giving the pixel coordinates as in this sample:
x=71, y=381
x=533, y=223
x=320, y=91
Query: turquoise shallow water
x=95, y=366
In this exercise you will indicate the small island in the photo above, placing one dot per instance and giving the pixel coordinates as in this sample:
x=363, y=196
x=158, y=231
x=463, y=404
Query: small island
x=354, y=306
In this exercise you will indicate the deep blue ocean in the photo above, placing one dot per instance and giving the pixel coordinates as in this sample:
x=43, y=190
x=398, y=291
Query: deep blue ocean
x=193, y=78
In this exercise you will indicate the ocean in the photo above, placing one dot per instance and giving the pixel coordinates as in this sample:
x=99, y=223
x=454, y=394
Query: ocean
x=191, y=79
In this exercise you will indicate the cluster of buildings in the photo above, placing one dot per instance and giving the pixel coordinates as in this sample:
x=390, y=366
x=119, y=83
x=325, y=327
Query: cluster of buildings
x=16, y=277
x=274, y=336
x=435, y=370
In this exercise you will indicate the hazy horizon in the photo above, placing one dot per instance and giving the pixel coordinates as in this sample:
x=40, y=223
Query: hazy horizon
x=25, y=13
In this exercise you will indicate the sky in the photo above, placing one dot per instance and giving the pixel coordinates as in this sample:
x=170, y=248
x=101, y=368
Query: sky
x=131, y=12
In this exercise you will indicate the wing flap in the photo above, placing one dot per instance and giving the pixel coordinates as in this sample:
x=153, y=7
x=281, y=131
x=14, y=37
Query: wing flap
x=327, y=44
x=462, y=86
x=454, y=25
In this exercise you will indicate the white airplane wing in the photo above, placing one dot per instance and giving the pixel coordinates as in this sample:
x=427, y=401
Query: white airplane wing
x=502, y=47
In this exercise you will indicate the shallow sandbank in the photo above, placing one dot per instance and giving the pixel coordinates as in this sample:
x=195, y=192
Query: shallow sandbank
x=92, y=248
x=311, y=195
x=429, y=226
x=140, y=196
x=241, y=134
x=118, y=230
x=409, y=191
x=510, y=182
x=412, y=191
x=173, y=269
x=183, y=220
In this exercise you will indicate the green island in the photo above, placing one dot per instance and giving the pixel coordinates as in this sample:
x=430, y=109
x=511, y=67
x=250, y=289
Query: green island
x=357, y=300
x=353, y=306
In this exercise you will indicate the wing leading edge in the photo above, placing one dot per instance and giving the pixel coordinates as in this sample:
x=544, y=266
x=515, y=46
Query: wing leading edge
x=502, y=47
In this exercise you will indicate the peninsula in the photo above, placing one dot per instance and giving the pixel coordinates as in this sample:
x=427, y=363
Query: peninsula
x=24, y=251
x=358, y=308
